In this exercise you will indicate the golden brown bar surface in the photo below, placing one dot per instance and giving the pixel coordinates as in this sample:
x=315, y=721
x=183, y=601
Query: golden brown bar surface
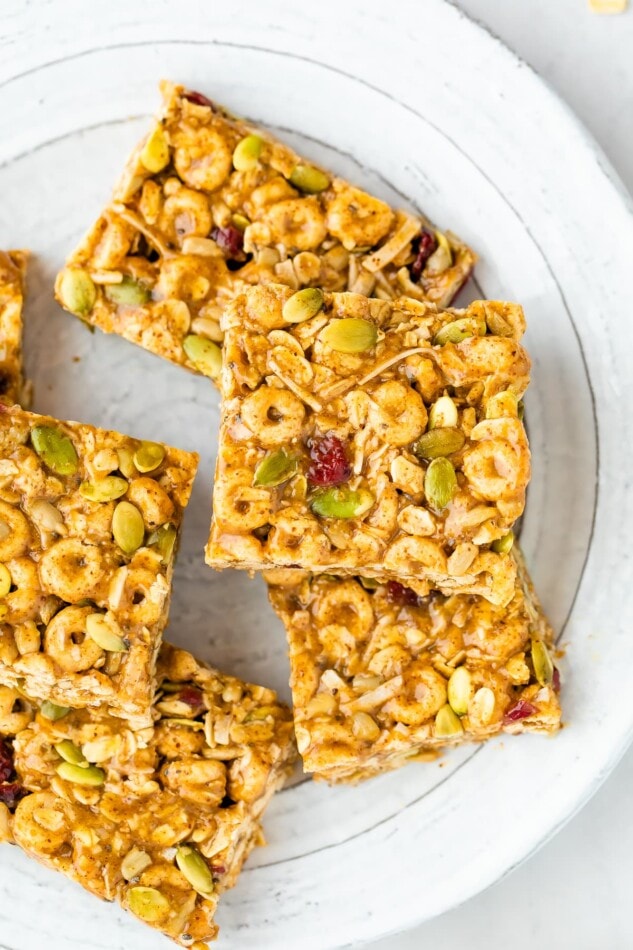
x=12, y=277
x=162, y=819
x=371, y=436
x=89, y=521
x=210, y=204
x=381, y=677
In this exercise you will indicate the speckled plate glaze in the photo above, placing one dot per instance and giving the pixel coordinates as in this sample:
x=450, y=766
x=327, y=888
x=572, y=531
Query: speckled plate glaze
x=430, y=111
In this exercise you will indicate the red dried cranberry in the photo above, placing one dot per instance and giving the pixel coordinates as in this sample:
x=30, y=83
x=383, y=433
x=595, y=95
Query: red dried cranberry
x=197, y=99
x=520, y=710
x=427, y=244
x=401, y=595
x=330, y=465
x=556, y=680
x=191, y=696
x=6, y=761
x=230, y=240
x=218, y=869
x=11, y=793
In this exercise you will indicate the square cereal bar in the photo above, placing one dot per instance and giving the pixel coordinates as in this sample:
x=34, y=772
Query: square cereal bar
x=371, y=436
x=12, y=276
x=209, y=204
x=381, y=677
x=160, y=820
x=89, y=521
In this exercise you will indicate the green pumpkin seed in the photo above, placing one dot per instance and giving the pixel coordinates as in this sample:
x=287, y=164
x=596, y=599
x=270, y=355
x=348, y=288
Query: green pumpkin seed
x=459, y=690
x=204, y=354
x=52, y=711
x=128, y=293
x=55, y=449
x=149, y=456
x=128, y=527
x=5, y=580
x=71, y=753
x=440, y=483
x=542, y=662
x=503, y=545
x=108, y=488
x=369, y=583
x=441, y=258
x=247, y=152
x=443, y=414
x=303, y=305
x=92, y=775
x=240, y=221
x=309, y=179
x=439, y=442
x=77, y=291
x=342, y=502
x=195, y=869
x=106, y=633
x=126, y=462
x=351, y=335
x=275, y=468
x=155, y=153
x=165, y=540
x=148, y=904
x=459, y=330
x=447, y=724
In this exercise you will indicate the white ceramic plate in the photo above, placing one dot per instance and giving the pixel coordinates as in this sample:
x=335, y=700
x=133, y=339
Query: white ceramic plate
x=427, y=110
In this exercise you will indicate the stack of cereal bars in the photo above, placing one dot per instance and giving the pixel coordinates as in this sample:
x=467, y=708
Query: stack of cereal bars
x=372, y=463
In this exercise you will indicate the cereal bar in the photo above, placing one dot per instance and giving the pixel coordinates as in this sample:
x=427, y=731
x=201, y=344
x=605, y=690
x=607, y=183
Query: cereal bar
x=208, y=205
x=89, y=521
x=162, y=819
x=381, y=676
x=12, y=275
x=371, y=436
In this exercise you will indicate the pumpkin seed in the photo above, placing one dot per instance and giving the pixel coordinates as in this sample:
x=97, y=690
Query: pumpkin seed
x=542, y=662
x=439, y=442
x=369, y=583
x=128, y=527
x=134, y=863
x=128, y=293
x=275, y=468
x=443, y=414
x=92, y=775
x=77, y=291
x=52, y=711
x=459, y=690
x=459, y=330
x=55, y=449
x=106, y=633
x=155, y=153
x=165, y=540
x=342, y=502
x=204, y=354
x=193, y=866
x=447, y=724
x=303, y=305
x=247, y=152
x=309, y=179
x=105, y=489
x=148, y=904
x=149, y=456
x=5, y=580
x=351, y=335
x=482, y=705
x=503, y=545
x=440, y=483
x=441, y=258
x=126, y=462
x=71, y=753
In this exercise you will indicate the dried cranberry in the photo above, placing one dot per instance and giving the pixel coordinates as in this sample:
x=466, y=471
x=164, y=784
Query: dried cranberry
x=401, y=595
x=520, y=710
x=230, y=240
x=197, y=99
x=218, y=869
x=330, y=465
x=11, y=793
x=426, y=245
x=556, y=680
x=191, y=696
x=6, y=761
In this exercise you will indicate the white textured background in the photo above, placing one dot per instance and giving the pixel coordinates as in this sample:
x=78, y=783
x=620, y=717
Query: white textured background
x=576, y=893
